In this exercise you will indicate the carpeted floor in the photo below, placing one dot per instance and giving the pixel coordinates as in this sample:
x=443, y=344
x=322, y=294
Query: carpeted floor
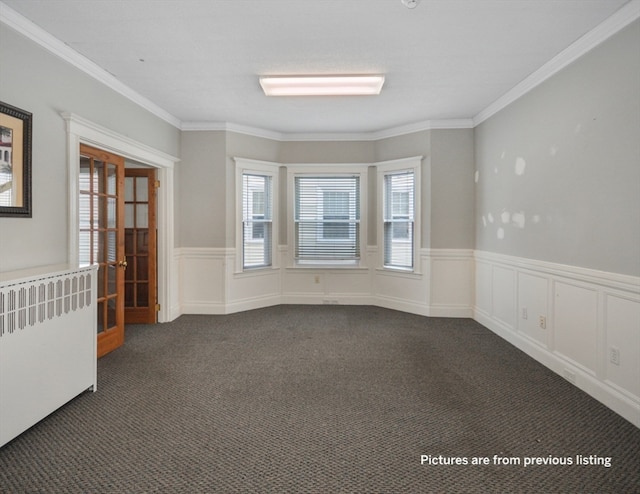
x=323, y=399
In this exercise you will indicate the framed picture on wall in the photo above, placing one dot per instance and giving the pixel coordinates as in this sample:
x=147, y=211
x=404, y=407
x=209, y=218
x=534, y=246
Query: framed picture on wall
x=15, y=162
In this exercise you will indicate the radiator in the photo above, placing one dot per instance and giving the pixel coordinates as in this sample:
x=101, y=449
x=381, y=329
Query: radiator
x=47, y=343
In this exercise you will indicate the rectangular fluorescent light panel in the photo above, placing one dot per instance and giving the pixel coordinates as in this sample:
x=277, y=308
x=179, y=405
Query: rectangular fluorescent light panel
x=353, y=85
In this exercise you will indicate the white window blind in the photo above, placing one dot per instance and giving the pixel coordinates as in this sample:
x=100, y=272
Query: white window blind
x=257, y=220
x=327, y=218
x=399, y=207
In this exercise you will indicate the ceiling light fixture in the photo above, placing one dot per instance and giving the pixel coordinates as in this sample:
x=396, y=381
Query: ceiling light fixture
x=410, y=4
x=329, y=85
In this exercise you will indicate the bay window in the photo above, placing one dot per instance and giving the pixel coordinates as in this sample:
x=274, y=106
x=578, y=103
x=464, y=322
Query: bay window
x=327, y=224
x=256, y=189
x=398, y=212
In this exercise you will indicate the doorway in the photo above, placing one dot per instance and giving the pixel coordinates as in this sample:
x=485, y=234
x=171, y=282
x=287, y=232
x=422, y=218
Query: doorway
x=82, y=131
x=140, y=246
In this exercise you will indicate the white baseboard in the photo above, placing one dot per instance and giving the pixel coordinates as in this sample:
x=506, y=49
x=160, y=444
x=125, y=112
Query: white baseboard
x=586, y=314
x=252, y=303
x=208, y=284
x=454, y=311
x=203, y=308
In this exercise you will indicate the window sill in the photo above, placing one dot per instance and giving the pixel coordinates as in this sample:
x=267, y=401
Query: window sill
x=257, y=271
x=313, y=265
x=405, y=273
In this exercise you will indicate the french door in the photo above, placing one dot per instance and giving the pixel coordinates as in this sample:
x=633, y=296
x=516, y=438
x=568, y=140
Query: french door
x=101, y=242
x=140, y=234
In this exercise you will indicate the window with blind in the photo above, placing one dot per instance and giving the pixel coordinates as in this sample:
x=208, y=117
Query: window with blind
x=327, y=218
x=257, y=220
x=399, y=219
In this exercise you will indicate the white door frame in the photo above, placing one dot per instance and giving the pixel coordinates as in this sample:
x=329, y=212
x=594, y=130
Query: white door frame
x=80, y=130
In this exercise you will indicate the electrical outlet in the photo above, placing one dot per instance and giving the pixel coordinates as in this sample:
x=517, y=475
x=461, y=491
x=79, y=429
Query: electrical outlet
x=614, y=355
x=525, y=315
x=542, y=322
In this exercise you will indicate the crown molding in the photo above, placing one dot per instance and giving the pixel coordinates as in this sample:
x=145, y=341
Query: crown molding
x=446, y=124
x=335, y=136
x=231, y=127
x=618, y=21
x=52, y=44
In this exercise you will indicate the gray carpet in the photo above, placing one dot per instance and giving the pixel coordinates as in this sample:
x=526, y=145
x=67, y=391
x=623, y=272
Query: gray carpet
x=322, y=399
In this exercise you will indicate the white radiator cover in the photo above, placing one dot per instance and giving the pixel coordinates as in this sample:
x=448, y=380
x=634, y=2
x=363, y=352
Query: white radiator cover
x=47, y=343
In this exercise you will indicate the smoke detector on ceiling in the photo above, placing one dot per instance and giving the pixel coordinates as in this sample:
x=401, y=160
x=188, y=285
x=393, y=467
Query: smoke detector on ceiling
x=410, y=4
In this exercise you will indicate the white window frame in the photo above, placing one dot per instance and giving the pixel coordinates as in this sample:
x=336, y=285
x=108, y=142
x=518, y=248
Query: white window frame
x=329, y=170
x=412, y=164
x=264, y=168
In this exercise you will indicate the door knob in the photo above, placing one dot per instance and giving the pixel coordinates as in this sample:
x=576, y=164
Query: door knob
x=123, y=263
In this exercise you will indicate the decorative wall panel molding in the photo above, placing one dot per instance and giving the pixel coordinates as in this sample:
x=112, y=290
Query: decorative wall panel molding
x=209, y=284
x=583, y=324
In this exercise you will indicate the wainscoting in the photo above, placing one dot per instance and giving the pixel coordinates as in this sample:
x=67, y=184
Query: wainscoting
x=582, y=324
x=209, y=285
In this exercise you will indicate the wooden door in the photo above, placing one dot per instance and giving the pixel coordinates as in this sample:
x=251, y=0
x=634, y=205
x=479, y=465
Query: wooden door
x=101, y=242
x=140, y=245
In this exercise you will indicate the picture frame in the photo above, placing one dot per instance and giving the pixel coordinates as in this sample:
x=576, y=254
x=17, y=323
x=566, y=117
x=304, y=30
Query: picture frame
x=15, y=161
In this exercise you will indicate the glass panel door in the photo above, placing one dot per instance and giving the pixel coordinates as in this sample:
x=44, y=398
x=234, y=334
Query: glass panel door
x=140, y=245
x=101, y=241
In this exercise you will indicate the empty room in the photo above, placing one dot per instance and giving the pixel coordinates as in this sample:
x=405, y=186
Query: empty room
x=360, y=246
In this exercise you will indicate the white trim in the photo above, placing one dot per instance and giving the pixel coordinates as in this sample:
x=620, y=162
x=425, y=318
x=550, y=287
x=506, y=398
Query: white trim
x=465, y=254
x=464, y=123
x=265, y=168
x=107, y=139
x=231, y=127
x=80, y=130
x=460, y=123
x=592, y=276
x=618, y=21
x=360, y=169
x=52, y=44
x=383, y=168
x=588, y=371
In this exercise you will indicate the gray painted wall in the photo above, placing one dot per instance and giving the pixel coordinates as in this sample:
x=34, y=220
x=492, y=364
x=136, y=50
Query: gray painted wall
x=404, y=146
x=206, y=181
x=292, y=152
x=326, y=152
x=250, y=147
x=36, y=81
x=202, y=191
x=448, y=197
x=452, y=189
x=558, y=170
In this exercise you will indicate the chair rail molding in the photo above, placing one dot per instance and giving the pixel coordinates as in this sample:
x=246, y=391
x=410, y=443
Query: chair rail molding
x=581, y=323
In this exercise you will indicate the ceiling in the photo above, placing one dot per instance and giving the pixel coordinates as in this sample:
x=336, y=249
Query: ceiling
x=199, y=60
